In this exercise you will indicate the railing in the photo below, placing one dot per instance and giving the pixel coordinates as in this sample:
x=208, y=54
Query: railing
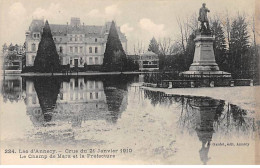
x=173, y=79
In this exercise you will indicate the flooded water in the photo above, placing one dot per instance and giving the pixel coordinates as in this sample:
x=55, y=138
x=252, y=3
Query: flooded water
x=114, y=112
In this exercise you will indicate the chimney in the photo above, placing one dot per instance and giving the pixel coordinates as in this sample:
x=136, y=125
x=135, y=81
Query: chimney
x=75, y=22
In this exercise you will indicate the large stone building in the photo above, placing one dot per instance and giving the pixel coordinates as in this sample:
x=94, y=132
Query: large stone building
x=76, y=43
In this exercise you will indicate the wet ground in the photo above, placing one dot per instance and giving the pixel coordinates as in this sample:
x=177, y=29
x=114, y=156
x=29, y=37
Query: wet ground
x=114, y=113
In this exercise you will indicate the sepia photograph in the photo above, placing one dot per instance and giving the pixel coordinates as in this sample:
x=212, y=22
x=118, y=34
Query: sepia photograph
x=130, y=82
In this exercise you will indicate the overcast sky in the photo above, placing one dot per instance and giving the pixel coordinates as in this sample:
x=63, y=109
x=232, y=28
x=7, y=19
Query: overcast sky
x=140, y=20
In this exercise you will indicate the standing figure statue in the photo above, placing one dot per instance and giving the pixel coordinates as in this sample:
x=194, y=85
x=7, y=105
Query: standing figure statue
x=203, y=18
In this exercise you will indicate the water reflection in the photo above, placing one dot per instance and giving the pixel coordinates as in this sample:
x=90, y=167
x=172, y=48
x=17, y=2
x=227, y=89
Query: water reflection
x=12, y=88
x=206, y=116
x=75, y=99
x=111, y=111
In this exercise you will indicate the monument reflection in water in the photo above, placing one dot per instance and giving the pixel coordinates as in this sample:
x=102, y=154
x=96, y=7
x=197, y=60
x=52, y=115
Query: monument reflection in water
x=113, y=111
x=205, y=116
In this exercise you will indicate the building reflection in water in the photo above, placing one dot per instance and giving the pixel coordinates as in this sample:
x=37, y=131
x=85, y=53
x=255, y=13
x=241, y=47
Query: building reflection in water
x=12, y=88
x=57, y=107
x=205, y=116
x=51, y=100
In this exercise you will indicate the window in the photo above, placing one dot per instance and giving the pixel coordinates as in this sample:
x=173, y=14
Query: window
x=34, y=35
x=71, y=49
x=81, y=61
x=90, y=60
x=81, y=85
x=95, y=39
x=96, y=50
x=33, y=58
x=70, y=38
x=61, y=96
x=71, y=96
x=54, y=38
x=76, y=38
x=60, y=39
x=76, y=49
x=90, y=49
x=96, y=85
x=96, y=60
x=38, y=35
x=71, y=62
x=33, y=47
x=76, y=83
x=91, y=96
x=34, y=99
x=80, y=38
x=91, y=84
x=81, y=49
x=96, y=95
x=81, y=96
x=61, y=49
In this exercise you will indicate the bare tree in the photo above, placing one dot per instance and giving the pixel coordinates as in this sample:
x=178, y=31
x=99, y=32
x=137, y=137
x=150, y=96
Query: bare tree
x=187, y=26
x=181, y=26
x=139, y=48
x=165, y=46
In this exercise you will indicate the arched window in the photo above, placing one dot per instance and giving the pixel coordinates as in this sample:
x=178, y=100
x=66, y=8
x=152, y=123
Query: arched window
x=33, y=47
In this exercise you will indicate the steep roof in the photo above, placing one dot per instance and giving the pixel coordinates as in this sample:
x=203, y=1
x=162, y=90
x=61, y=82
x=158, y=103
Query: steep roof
x=88, y=30
x=149, y=53
x=36, y=25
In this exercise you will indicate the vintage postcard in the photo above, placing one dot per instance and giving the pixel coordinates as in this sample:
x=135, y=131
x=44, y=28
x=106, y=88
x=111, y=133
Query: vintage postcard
x=130, y=82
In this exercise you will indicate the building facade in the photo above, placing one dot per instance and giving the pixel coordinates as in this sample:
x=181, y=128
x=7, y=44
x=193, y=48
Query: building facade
x=13, y=57
x=148, y=61
x=77, y=44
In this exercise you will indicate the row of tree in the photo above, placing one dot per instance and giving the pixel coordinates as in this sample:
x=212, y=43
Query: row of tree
x=235, y=50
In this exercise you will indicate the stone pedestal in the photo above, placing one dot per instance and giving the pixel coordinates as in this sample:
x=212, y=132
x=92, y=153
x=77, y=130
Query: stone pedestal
x=204, y=63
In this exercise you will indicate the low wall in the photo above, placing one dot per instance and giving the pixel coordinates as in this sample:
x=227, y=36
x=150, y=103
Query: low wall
x=224, y=82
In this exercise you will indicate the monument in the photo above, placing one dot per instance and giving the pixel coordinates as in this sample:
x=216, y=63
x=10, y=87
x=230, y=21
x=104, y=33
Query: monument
x=204, y=63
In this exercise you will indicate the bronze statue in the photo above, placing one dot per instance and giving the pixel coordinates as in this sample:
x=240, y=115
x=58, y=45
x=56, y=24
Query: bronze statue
x=203, y=18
